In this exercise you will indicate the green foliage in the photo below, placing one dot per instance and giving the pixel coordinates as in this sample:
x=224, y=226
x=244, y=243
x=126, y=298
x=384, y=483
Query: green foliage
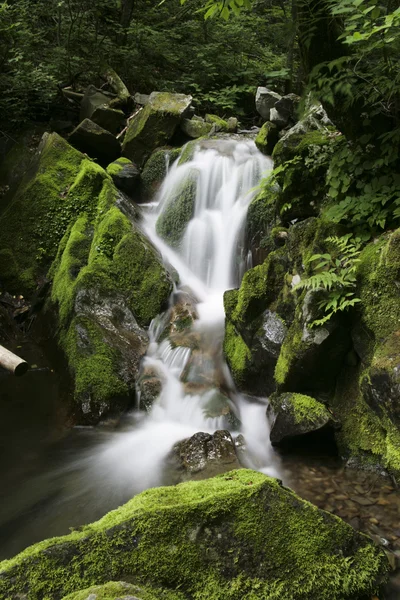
x=336, y=274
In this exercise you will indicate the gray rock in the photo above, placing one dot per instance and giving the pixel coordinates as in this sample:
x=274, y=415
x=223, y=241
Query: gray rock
x=141, y=99
x=96, y=142
x=149, y=387
x=203, y=456
x=287, y=105
x=92, y=99
x=278, y=119
x=232, y=124
x=265, y=100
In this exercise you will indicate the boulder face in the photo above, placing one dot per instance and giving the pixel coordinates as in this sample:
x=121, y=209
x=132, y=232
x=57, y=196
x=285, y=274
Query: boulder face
x=95, y=141
x=178, y=211
x=267, y=138
x=202, y=456
x=205, y=539
x=292, y=415
x=154, y=125
x=155, y=170
x=195, y=128
x=265, y=100
x=109, y=118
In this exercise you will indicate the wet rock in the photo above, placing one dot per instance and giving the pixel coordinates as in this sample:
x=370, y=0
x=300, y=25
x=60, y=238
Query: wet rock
x=162, y=529
x=293, y=415
x=195, y=128
x=156, y=169
x=265, y=100
x=108, y=118
x=178, y=210
x=154, y=125
x=149, y=387
x=96, y=142
x=181, y=315
x=125, y=175
x=204, y=455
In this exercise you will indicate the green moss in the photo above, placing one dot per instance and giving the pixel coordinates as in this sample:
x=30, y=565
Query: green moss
x=369, y=440
x=205, y=539
x=47, y=201
x=116, y=167
x=155, y=169
x=261, y=218
x=188, y=152
x=290, y=350
x=379, y=267
x=303, y=408
x=237, y=354
x=221, y=124
x=178, y=211
x=117, y=590
x=267, y=138
x=297, y=144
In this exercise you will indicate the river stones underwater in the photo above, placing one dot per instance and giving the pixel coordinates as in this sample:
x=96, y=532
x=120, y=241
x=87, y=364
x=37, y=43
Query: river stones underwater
x=233, y=536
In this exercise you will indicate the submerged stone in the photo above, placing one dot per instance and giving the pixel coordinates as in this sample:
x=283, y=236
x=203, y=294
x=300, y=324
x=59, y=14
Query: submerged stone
x=236, y=535
x=154, y=125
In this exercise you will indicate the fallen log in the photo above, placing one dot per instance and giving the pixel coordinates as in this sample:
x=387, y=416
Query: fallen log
x=13, y=363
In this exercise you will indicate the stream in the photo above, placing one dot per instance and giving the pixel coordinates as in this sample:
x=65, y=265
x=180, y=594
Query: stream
x=51, y=485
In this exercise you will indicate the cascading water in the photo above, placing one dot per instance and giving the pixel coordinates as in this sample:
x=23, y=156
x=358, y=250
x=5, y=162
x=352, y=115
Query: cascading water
x=192, y=371
x=197, y=393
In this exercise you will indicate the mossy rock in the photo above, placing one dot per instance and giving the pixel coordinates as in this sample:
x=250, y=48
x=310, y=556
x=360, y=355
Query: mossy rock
x=368, y=396
x=125, y=175
x=178, y=211
x=95, y=141
x=154, y=125
x=267, y=138
x=119, y=590
x=60, y=185
x=292, y=415
x=262, y=217
x=205, y=539
x=155, y=170
x=195, y=128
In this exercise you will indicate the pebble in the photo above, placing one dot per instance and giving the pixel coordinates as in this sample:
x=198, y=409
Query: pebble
x=374, y=521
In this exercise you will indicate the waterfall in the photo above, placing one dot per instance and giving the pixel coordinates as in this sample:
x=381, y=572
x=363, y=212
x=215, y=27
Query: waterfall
x=209, y=259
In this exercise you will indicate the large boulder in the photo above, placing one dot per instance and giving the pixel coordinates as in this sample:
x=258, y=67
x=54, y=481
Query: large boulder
x=237, y=535
x=293, y=415
x=154, y=125
x=92, y=99
x=202, y=456
x=265, y=100
x=96, y=142
x=195, y=128
x=108, y=281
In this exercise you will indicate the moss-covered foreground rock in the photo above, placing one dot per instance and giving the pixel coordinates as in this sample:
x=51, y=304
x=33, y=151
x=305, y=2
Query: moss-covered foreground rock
x=154, y=125
x=238, y=535
x=156, y=168
x=119, y=590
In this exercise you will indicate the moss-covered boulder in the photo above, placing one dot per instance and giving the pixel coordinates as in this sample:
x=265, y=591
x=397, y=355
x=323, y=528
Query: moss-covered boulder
x=195, y=128
x=125, y=175
x=119, y=590
x=267, y=138
x=108, y=282
x=368, y=395
x=59, y=185
x=156, y=169
x=111, y=119
x=236, y=535
x=95, y=141
x=154, y=125
x=178, y=210
x=293, y=415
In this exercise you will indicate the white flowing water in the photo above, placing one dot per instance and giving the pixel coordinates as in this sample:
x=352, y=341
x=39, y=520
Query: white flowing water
x=210, y=261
